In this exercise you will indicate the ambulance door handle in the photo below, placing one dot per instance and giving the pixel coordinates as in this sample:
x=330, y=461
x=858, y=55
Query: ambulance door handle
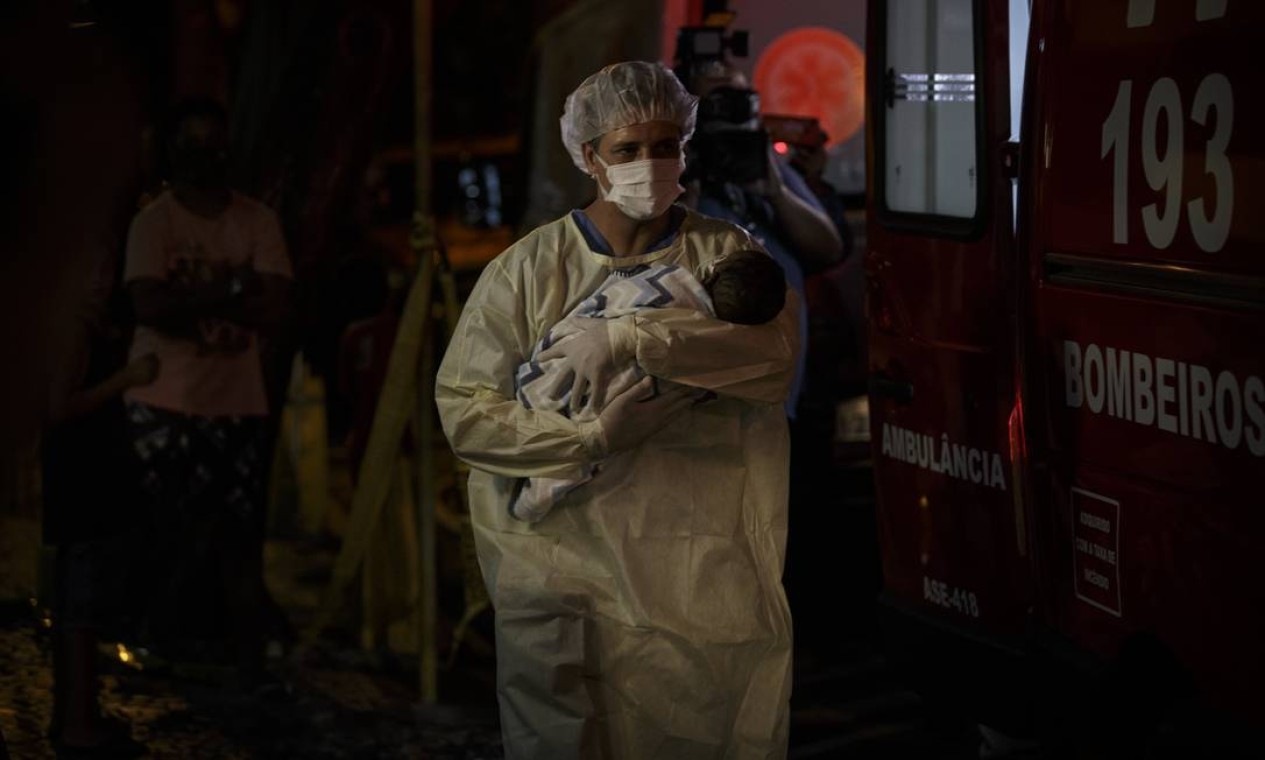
x=902, y=392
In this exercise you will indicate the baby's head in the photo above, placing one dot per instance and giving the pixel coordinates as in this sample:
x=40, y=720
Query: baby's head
x=747, y=287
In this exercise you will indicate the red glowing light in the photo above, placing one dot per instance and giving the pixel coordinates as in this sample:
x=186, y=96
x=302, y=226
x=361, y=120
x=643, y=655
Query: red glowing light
x=814, y=71
x=781, y=148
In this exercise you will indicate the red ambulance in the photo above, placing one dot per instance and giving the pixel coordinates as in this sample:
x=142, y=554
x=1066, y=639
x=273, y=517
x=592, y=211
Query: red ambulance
x=1066, y=305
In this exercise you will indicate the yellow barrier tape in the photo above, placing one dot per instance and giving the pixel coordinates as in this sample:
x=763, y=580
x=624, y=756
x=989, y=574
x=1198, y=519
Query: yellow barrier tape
x=407, y=398
x=395, y=406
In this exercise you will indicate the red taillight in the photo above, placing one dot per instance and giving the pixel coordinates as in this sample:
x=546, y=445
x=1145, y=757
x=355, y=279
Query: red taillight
x=1018, y=449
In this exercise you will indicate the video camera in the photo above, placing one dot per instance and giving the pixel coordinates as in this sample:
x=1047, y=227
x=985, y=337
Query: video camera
x=729, y=144
x=709, y=43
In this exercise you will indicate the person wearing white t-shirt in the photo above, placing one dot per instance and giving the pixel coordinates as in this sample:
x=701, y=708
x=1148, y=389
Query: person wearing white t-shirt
x=206, y=271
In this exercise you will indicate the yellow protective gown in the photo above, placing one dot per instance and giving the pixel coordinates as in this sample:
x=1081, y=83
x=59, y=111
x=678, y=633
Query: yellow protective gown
x=645, y=618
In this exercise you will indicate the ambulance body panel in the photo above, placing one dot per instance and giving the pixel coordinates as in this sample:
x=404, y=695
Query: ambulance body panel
x=1101, y=340
x=1145, y=313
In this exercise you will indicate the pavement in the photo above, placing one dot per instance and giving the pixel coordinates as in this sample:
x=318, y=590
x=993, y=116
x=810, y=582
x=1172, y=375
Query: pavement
x=338, y=701
x=330, y=700
x=333, y=699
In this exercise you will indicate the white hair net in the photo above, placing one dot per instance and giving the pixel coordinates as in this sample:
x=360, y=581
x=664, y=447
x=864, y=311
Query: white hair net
x=621, y=95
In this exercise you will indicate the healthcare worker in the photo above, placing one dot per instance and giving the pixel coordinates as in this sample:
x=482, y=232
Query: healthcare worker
x=645, y=616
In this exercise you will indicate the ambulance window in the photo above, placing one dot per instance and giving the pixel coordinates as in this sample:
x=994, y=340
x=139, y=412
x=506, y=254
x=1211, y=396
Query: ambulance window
x=930, y=145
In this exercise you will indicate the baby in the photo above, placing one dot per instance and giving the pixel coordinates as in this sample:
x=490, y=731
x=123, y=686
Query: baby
x=747, y=288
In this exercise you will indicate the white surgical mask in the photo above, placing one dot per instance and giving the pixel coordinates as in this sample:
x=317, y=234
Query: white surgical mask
x=643, y=189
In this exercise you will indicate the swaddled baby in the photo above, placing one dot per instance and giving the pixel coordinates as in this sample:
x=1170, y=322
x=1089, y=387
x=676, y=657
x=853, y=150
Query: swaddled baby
x=747, y=288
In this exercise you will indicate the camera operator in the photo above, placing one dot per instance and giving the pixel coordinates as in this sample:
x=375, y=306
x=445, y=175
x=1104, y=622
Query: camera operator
x=734, y=174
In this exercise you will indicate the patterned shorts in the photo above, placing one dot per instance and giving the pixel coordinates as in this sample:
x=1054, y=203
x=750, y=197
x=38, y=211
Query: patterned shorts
x=202, y=477
x=199, y=465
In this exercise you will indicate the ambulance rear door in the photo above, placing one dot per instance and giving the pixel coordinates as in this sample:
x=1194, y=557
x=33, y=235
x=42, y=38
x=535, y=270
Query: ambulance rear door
x=941, y=278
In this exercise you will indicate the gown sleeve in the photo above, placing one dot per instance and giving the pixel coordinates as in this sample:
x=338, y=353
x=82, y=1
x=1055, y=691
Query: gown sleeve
x=751, y=362
x=485, y=424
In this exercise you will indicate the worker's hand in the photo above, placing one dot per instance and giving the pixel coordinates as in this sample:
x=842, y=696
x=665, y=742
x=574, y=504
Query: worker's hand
x=636, y=414
x=589, y=355
x=142, y=370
